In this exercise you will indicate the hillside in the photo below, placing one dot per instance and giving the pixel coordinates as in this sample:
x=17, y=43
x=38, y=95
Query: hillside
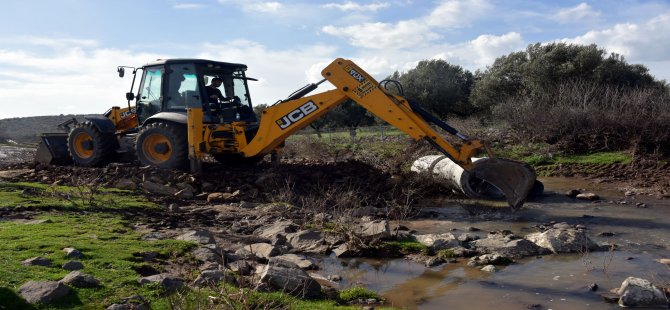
x=28, y=129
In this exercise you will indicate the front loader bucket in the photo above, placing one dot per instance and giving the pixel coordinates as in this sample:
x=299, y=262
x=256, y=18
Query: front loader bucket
x=52, y=150
x=514, y=179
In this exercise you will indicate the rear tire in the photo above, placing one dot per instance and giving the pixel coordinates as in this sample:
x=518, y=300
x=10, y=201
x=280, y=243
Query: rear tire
x=89, y=147
x=162, y=145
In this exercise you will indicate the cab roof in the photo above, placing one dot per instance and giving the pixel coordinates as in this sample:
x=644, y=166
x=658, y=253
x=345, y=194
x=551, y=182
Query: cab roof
x=158, y=62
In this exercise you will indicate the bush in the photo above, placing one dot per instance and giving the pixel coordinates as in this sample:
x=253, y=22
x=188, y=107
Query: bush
x=582, y=116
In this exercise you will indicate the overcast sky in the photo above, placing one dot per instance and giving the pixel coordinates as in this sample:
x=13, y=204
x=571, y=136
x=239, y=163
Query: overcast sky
x=60, y=56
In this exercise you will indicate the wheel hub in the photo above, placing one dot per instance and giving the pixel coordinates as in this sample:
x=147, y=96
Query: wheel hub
x=161, y=148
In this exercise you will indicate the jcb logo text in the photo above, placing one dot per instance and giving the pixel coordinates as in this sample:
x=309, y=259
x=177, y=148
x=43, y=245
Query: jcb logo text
x=296, y=115
x=359, y=77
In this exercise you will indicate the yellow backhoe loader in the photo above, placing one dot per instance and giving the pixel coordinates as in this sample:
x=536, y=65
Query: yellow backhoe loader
x=177, y=119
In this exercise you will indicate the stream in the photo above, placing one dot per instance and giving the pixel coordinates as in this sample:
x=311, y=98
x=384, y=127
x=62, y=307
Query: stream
x=560, y=281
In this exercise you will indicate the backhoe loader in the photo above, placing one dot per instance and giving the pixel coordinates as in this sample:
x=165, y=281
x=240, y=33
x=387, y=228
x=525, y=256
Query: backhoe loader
x=175, y=122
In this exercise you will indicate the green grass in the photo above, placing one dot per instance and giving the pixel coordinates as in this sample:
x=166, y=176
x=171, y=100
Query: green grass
x=403, y=247
x=110, y=247
x=36, y=195
x=538, y=154
x=356, y=293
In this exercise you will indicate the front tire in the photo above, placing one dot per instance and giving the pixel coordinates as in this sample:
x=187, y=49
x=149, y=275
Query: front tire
x=162, y=145
x=89, y=147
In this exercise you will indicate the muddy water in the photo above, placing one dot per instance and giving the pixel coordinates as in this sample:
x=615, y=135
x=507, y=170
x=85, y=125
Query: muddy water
x=548, y=282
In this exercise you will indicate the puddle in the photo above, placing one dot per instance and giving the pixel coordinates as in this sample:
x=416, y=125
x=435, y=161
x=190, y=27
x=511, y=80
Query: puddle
x=553, y=281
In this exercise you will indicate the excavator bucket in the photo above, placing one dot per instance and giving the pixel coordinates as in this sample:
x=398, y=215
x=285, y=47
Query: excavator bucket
x=52, y=150
x=514, y=179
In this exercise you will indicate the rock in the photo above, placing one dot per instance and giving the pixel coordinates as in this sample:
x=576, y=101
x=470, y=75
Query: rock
x=302, y=261
x=438, y=241
x=606, y=234
x=158, y=189
x=208, y=187
x=460, y=251
x=587, y=196
x=43, y=291
x=664, y=261
x=73, y=265
x=489, y=259
x=222, y=197
x=378, y=229
x=135, y=302
x=629, y=193
x=36, y=261
x=152, y=236
x=185, y=194
x=467, y=237
x=73, y=253
x=79, y=279
x=343, y=251
x=636, y=292
x=507, y=245
x=563, y=240
x=309, y=241
x=205, y=255
x=127, y=184
x=573, y=193
x=610, y=297
x=434, y=261
x=241, y=267
x=199, y=236
x=592, y=287
x=186, y=186
x=335, y=278
x=37, y=222
x=262, y=250
x=174, y=208
x=288, y=277
x=214, y=277
x=472, y=229
x=489, y=268
x=280, y=227
x=168, y=281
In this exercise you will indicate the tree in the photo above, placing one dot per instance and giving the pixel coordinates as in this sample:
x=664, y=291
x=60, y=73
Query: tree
x=543, y=66
x=351, y=115
x=439, y=87
x=258, y=109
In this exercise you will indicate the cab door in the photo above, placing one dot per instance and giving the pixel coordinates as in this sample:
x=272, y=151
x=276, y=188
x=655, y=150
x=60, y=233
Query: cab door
x=150, y=96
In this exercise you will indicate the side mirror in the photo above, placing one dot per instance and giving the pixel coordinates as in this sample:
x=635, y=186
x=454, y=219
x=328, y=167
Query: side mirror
x=130, y=96
x=121, y=71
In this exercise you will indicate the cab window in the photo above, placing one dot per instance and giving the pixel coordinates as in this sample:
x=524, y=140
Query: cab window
x=150, y=99
x=183, y=90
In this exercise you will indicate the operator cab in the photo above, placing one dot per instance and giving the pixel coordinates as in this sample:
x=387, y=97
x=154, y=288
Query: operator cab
x=174, y=85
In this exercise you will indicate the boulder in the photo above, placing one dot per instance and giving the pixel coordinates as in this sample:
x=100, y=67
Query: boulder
x=73, y=253
x=222, y=197
x=36, y=261
x=568, y=240
x=262, y=250
x=636, y=292
x=309, y=241
x=343, y=251
x=241, y=267
x=199, y=236
x=489, y=259
x=73, y=265
x=158, y=189
x=214, y=277
x=507, y=245
x=168, y=281
x=489, y=268
x=279, y=227
x=289, y=278
x=302, y=261
x=79, y=279
x=438, y=241
x=378, y=229
x=43, y=291
x=205, y=255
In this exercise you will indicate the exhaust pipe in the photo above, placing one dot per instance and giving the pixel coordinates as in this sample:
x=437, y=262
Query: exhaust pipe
x=491, y=178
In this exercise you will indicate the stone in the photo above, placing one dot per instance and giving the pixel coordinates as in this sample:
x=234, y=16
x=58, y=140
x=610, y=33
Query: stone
x=73, y=253
x=222, y=197
x=465, y=237
x=174, y=208
x=592, y=287
x=302, y=261
x=135, y=302
x=158, y=189
x=241, y=267
x=208, y=187
x=289, y=278
x=507, y=245
x=214, y=277
x=37, y=222
x=489, y=268
x=198, y=236
x=434, y=261
x=573, y=193
x=378, y=229
x=186, y=186
x=205, y=255
x=343, y=251
x=587, y=196
x=127, y=184
x=664, y=261
x=79, y=279
x=489, y=259
x=263, y=250
x=606, y=234
x=36, y=261
x=73, y=265
x=563, y=240
x=438, y=241
x=185, y=194
x=309, y=241
x=279, y=227
x=43, y=291
x=636, y=292
x=168, y=281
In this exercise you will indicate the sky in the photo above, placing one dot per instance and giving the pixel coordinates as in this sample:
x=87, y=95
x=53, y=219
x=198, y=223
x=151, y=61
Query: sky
x=60, y=56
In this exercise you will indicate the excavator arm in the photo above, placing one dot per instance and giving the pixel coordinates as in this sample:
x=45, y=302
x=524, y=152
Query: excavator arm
x=280, y=121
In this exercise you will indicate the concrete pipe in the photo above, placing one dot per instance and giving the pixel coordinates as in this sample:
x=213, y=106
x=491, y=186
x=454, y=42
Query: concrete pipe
x=467, y=183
